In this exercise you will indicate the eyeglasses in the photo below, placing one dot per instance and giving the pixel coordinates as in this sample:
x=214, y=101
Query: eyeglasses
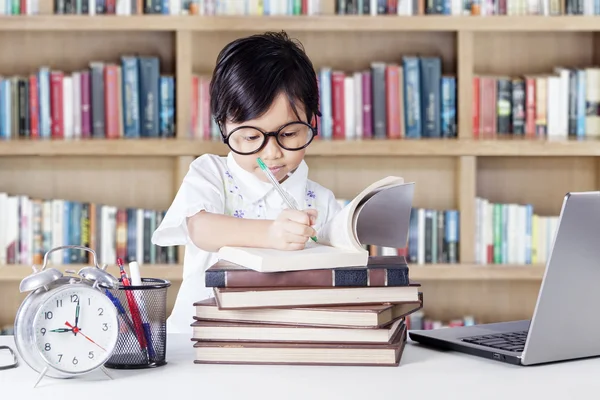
x=15, y=360
x=292, y=136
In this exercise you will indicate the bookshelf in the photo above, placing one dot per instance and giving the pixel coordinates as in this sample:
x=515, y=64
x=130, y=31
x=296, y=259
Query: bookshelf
x=450, y=173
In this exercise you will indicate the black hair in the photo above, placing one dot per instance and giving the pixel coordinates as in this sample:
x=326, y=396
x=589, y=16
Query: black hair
x=251, y=71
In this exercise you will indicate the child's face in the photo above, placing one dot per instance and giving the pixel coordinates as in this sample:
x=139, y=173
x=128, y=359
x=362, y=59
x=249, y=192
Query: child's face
x=279, y=160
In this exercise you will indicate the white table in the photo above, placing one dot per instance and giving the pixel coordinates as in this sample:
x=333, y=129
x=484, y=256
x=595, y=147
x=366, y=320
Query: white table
x=423, y=374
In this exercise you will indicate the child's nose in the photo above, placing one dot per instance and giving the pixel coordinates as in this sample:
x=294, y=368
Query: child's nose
x=272, y=150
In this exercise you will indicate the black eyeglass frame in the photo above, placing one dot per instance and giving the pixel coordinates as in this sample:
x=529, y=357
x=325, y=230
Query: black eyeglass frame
x=15, y=362
x=266, y=135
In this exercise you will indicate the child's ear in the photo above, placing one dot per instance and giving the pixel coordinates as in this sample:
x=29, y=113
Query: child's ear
x=314, y=118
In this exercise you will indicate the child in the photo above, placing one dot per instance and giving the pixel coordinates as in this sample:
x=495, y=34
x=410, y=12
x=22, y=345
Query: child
x=265, y=100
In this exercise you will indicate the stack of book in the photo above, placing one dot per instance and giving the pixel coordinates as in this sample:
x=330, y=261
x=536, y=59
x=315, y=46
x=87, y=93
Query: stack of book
x=341, y=316
x=330, y=303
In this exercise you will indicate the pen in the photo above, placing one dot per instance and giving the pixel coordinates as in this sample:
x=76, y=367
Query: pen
x=278, y=187
x=121, y=309
x=136, y=280
x=135, y=312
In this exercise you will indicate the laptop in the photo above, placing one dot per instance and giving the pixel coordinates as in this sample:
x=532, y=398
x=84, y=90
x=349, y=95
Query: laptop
x=565, y=324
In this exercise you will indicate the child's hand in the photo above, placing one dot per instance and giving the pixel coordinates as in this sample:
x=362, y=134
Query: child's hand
x=292, y=229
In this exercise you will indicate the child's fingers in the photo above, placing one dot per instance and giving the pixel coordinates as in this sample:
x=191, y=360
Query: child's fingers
x=300, y=217
x=292, y=238
x=312, y=214
x=299, y=229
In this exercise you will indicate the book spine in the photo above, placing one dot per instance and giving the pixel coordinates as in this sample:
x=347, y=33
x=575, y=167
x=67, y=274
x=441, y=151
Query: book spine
x=530, y=116
x=452, y=235
x=131, y=112
x=23, y=107
x=86, y=116
x=448, y=111
x=572, y=93
x=325, y=89
x=392, y=93
x=581, y=93
x=34, y=106
x=111, y=101
x=360, y=277
x=56, y=100
x=149, y=96
x=97, y=85
x=412, y=97
x=85, y=225
x=431, y=74
x=503, y=105
x=518, y=106
x=378, y=77
x=367, y=109
x=337, y=100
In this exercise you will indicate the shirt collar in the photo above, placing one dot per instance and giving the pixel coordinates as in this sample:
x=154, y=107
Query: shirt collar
x=254, y=189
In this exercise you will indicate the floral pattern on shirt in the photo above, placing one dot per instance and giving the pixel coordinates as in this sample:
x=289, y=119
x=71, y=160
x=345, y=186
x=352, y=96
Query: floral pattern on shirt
x=236, y=206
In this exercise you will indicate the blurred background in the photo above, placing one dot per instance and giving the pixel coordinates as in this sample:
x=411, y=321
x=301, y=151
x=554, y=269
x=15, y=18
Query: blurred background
x=104, y=104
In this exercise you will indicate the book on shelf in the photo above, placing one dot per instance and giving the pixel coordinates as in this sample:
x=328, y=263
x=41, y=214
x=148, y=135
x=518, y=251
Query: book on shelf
x=433, y=236
x=111, y=100
x=379, y=215
x=30, y=227
x=419, y=320
x=411, y=98
x=551, y=105
x=511, y=233
x=463, y=7
x=193, y=7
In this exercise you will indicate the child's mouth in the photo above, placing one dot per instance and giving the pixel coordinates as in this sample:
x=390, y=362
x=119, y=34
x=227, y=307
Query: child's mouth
x=275, y=170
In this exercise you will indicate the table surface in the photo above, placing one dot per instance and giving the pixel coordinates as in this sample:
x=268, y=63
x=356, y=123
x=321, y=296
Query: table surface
x=422, y=373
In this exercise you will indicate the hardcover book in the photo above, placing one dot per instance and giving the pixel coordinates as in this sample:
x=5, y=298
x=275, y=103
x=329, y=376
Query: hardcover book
x=379, y=271
x=352, y=316
x=379, y=215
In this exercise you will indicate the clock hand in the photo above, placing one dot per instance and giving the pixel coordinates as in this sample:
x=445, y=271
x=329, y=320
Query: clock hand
x=61, y=330
x=76, y=316
x=76, y=330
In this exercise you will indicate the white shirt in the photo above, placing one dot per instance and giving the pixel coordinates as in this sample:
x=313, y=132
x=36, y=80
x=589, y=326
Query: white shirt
x=219, y=185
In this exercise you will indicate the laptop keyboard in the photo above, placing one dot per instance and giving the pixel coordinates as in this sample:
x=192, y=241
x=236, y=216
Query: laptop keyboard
x=512, y=341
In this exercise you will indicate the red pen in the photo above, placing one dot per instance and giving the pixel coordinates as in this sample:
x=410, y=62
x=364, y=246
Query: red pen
x=133, y=307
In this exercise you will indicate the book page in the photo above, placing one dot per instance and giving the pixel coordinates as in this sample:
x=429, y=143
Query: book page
x=341, y=230
x=337, y=232
x=384, y=219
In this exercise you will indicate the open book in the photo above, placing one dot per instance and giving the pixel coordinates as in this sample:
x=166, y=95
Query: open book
x=379, y=215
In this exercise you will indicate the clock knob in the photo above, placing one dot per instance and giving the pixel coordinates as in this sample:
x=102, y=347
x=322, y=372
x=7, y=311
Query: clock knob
x=39, y=279
x=99, y=275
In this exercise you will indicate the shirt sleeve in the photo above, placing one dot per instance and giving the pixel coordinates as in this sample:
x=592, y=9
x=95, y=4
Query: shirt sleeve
x=201, y=189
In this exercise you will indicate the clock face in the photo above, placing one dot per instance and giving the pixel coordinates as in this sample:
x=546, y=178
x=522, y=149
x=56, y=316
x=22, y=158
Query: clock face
x=76, y=329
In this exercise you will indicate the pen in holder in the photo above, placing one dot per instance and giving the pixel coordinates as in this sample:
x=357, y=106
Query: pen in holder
x=142, y=339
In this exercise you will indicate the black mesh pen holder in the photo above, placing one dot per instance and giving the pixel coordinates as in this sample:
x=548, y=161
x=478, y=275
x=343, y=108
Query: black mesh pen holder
x=142, y=339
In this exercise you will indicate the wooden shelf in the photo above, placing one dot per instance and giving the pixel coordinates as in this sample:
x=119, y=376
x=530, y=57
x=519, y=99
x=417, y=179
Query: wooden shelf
x=330, y=148
x=455, y=272
x=417, y=272
x=321, y=23
x=173, y=273
x=450, y=173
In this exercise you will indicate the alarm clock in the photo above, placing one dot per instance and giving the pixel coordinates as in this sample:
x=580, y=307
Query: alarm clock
x=66, y=326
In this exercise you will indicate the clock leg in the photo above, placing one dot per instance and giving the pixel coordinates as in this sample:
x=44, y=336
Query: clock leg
x=41, y=376
x=103, y=368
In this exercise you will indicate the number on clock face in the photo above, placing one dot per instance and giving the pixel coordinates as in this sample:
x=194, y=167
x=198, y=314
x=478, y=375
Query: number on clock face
x=75, y=329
